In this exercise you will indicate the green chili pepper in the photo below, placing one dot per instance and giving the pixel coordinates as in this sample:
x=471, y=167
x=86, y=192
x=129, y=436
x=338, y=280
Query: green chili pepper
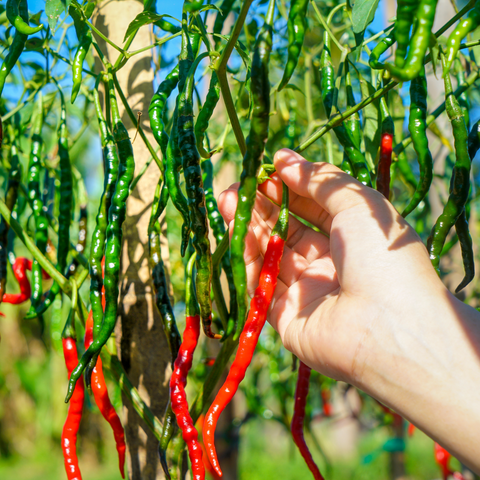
x=225, y=8
x=84, y=36
x=260, y=88
x=201, y=125
x=168, y=431
x=158, y=106
x=11, y=195
x=35, y=199
x=16, y=48
x=382, y=46
x=417, y=125
x=296, y=25
x=113, y=247
x=418, y=44
x=406, y=12
x=460, y=185
x=463, y=100
x=474, y=140
x=466, y=245
x=16, y=16
x=82, y=240
x=346, y=165
x=463, y=28
x=327, y=75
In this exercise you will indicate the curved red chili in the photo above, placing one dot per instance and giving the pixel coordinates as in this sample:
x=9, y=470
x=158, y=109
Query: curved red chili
x=442, y=457
x=74, y=416
x=100, y=393
x=178, y=380
x=296, y=427
x=20, y=268
x=383, y=178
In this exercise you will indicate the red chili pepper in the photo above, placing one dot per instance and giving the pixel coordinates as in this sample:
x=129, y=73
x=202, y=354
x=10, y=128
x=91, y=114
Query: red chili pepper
x=327, y=406
x=442, y=457
x=257, y=316
x=411, y=429
x=19, y=270
x=383, y=178
x=206, y=463
x=74, y=416
x=100, y=393
x=209, y=361
x=178, y=380
x=296, y=427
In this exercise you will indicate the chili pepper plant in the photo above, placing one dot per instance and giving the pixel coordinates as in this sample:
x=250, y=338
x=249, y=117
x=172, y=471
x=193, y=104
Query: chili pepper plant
x=234, y=81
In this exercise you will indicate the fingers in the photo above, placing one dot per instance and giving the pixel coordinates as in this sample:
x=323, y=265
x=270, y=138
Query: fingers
x=333, y=190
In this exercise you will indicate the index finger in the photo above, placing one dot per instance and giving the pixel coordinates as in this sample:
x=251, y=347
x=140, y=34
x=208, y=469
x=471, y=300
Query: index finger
x=332, y=189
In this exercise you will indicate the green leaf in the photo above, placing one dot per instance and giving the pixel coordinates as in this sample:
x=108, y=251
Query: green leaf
x=362, y=14
x=371, y=123
x=144, y=18
x=53, y=10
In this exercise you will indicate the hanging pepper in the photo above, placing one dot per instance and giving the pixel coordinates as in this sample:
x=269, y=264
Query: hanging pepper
x=100, y=393
x=97, y=249
x=298, y=419
x=249, y=337
x=474, y=140
x=417, y=125
x=20, y=268
x=296, y=26
x=380, y=48
x=386, y=143
x=327, y=75
x=16, y=16
x=466, y=246
x=201, y=125
x=11, y=195
x=178, y=380
x=75, y=409
x=196, y=200
x=406, y=13
x=256, y=140
x=460, y=184
x=16, y=48
x=463, y=28
x=84, y=36
x=418, y=45
x=35, y=199
x=113, y=247
x=442, y=457
x=157, y=108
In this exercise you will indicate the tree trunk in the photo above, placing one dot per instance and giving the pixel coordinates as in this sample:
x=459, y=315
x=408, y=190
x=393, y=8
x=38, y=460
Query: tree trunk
x=141, y=341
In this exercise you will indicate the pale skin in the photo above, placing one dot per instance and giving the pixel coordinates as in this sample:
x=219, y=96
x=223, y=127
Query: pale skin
x=365, y=306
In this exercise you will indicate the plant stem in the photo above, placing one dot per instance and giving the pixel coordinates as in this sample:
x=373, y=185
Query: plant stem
x=326, y=27
x=156, y=44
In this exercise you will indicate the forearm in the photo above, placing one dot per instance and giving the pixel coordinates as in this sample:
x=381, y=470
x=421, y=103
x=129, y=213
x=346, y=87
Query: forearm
x=426, y=368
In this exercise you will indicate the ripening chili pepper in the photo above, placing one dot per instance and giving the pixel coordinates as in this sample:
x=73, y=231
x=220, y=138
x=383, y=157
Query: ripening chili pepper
x=386, y=143
x=463, y=28
x=35, y=199
x=326, y=404
x=11, y=195
x=257, y=316
x=84, y=36
x=417, y=125
x=419, y=43
x=256, y=140
x=157, y=108
x=16, y=17
x=298, y=419
x=196, y=198
x=406, y=13
x=460, y=185
x=380, y=48
x=97, y=249
x=178, y=380
x=16, y=48
x=82, y=240
x=113, y=246
x=201, y=125
x=20, y=268
x=296, y=25
x=225, y=9
x=75, y=409
x=100, y=393
x=327, y=75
